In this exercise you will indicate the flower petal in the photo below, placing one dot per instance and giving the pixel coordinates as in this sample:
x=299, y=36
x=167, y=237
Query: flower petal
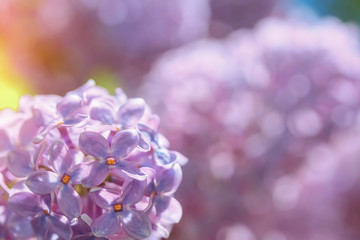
x=102, y=112
x=78, y=119
x=59, y=226
x=144, y=143
x=106, y=225
x=19, y=227
x=131, y=112
x=161, y=204
x=25, y=204
x=169, y=180
x=164, y=158
x=42, y=182
x=27, y=132
x=96, y=174
x=103, y=197
x=94, y=144
x=69, y=201
x=68, y=105
x=124, y=142
x=136, y=224
x=133, y=191
x=5, y=144
x=129, y=169
x=19, y=163
x=173, y=213
x=60, y=157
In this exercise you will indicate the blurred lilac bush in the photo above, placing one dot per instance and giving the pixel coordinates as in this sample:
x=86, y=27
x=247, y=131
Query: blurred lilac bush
x=73, y=40
x=86, y=166
x=270, y=118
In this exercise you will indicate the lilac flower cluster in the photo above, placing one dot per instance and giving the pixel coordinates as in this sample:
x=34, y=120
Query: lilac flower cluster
x=86, y=166
x=272, y=120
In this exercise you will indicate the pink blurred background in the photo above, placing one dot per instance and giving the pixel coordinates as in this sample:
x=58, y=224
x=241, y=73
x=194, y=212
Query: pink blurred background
x=260, y=95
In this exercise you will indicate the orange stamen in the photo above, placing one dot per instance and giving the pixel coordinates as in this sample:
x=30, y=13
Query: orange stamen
x=60, y=123
x=110, y=161
x=65, y=179
x=117, y=207
x=46, y=212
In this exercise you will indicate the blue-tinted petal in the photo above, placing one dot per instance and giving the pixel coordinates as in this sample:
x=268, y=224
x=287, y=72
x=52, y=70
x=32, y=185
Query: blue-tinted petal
x=59, y=226
x=42, y=182
x=78, y=119
x=20, y=227
x=169, y=180
x=19, y=163
x=131, y=112
x=97, y=172
x=164, y=158
x=129, y=169
x=103, y=197
x=60, y=157
x=136, y=224
x=173, y=213
x=69, y=201
x=25, y=204
x=88, y=237
x=102, y=112
x=68, y=105
x=144, y=143
x=94, y=144
x=133, y=191
x=161, y=203
x=124, y=142
x=41, y=226
x=106, y=225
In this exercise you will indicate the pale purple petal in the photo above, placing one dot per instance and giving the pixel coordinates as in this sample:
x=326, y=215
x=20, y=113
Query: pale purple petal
x=87, y=237
x=106, y=225
x=78, y=172
x=25, y=204
x=60, y=157
x=69, y=201
x=136, y=224
x=27, y=132
x=39, y=138
x=102, y=112
x=19, y=163
x=173, y=213
x=5, y=144
x=103, y=197
x=78, y=119
x=164, y=158
x=97, y=172
x=144, y=144
x=161, y=203
x=129, y=169
x=19, y=227
x=133, y=191
x=124, y=142
x=42, y=182
x=131, y=112
x=41, y=225
x=68, y=105
x=169, y=180
x=94, y=144
x=60, y=226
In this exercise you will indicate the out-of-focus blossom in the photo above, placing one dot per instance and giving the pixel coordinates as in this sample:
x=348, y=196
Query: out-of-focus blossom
x=73, y=40
x=60, y=169
x=270, y=119
x=229, y=15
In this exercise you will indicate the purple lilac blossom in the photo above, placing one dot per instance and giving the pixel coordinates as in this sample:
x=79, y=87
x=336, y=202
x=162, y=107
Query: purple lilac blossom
x=61, y=168
x=270, y=118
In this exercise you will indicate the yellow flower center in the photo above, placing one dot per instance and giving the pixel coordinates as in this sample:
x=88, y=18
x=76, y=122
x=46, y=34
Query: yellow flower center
x=117, y=207
x=65, y=179
x=110, y=161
